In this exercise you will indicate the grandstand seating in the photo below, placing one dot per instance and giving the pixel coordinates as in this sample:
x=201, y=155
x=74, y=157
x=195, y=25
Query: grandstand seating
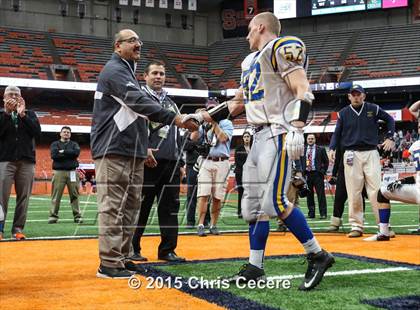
x=186, y=59
x=24, y=54
x=369, y=53
x=386, y=52
x=53, y=116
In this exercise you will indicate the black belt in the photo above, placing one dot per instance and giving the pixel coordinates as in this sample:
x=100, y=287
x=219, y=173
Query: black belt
x=217, y=158
x=259, y=128
x=362, y=148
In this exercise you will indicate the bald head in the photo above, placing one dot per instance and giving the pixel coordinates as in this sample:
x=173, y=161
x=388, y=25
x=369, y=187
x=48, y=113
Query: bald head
x=123, y=35
x=127, y=44
x=270, y=21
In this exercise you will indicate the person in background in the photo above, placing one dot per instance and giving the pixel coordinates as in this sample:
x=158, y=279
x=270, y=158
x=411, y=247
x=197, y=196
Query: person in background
x=19, y=128
x=357, y=131
x=315, y=166
x=241, y=153
x=64, y=154
x=214, y=170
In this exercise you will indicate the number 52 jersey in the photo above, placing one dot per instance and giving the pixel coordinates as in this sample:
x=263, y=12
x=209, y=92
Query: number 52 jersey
x=263, y=80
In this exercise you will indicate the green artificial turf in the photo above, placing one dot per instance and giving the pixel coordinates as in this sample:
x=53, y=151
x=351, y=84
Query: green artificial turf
x=403, y=218
x=334, y=292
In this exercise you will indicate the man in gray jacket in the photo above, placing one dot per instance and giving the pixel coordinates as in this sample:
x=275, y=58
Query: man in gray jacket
x=119, y=140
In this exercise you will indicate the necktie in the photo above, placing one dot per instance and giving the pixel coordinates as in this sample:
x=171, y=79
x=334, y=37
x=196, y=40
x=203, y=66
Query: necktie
x=15, y=118
x=309, y=163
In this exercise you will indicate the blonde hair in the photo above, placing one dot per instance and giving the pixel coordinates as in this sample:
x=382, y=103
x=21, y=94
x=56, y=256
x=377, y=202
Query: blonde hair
x=270, y=21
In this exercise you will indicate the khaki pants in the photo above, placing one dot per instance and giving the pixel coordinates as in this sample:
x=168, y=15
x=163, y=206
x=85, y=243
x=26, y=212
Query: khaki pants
x=60, y=180
x=366, y=170
x=119, y=184
x=21, y=173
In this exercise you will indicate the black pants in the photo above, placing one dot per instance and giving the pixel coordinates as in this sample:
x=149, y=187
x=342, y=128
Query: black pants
x=191, y=194
x=191, y=203
x=340, y=197
x=161, y=182
x=315, y=180
x=240, y=188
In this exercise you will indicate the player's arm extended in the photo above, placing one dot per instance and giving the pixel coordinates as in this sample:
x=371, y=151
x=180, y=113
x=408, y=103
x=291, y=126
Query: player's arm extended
x=232, y=107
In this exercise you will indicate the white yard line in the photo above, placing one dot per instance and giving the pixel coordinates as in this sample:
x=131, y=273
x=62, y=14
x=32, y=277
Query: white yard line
x=345, y=273
x=368, y=226
x=47, y=211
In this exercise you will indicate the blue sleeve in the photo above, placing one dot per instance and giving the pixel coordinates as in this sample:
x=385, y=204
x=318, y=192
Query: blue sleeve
x=227, y=128
x=337, y=133
x=389, y=120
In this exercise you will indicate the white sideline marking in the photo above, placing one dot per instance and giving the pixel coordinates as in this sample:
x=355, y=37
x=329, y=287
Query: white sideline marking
x=345, y=273
x=62, y=211
x=49, y=199
x=368, y=226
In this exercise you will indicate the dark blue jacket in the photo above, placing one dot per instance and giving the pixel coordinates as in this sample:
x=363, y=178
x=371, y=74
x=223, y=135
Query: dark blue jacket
x=359, y=130
x=121, y=111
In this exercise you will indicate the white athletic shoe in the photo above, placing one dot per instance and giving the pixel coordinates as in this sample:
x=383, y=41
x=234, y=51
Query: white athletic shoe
x=377, y=237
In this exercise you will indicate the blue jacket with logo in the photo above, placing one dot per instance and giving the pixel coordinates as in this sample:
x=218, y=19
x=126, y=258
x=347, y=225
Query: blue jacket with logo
x=358, y=130
x=121, y=112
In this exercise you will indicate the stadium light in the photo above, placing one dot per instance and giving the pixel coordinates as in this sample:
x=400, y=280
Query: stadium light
x=136, y=16
x=16, y=5
x=63, y=8
x=81, y=9
x=118, y=14
x=184, y=21
x=168, y=20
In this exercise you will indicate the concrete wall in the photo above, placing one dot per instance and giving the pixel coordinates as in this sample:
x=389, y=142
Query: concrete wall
x=203, y=28
x=100, y=20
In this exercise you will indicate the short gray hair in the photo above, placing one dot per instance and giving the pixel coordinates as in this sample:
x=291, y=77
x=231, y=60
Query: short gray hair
x=12, y=88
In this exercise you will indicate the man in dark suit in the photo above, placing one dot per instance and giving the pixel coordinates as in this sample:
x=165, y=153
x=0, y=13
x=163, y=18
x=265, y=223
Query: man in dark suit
x=315, y=163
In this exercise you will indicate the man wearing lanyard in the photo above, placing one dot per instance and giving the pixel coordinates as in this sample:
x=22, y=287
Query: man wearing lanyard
x=162, y=172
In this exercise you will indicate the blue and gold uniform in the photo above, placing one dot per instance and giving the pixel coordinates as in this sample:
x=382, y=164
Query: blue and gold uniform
x=267, y=171
x=265, y=90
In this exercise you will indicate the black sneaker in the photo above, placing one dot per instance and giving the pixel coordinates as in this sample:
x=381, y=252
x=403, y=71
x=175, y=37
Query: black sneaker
x=78, y=220
x=317, y=265
x=113, y=273
x=52, y=221
x=247, y=273
x=136, y=268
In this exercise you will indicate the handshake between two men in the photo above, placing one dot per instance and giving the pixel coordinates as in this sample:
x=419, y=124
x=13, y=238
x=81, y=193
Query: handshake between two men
x=295, y=115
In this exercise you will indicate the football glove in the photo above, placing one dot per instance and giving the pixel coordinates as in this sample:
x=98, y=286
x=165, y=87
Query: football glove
x=295, y=144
